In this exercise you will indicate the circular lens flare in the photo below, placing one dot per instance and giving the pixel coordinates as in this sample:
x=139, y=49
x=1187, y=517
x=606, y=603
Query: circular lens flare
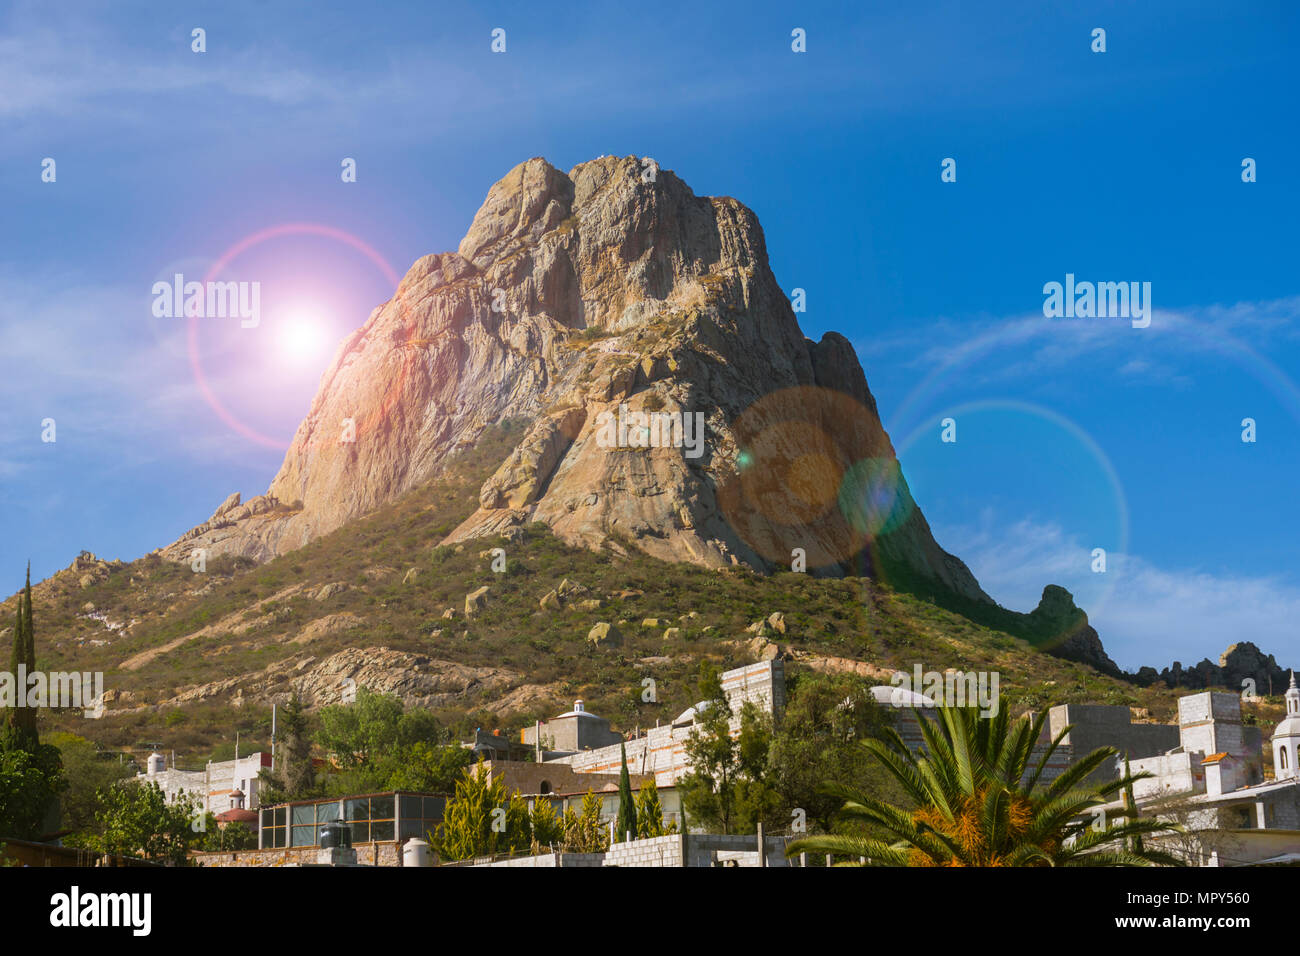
x=242, y=246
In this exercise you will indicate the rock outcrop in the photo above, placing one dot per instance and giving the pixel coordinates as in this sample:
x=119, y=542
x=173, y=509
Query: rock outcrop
x=1240, y=662
x=1061, y=628
x=578, y=302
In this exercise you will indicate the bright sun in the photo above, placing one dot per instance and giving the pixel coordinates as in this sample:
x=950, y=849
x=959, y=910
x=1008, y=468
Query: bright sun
x=301, y=338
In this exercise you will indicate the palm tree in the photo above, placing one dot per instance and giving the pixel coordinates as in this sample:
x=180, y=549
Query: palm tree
x=981, y=803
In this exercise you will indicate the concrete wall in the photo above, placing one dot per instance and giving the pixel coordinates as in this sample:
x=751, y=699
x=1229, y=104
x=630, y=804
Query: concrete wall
x=1104, y=725
x=1172, y=774
x=662, y=750
x=657, y=851
x=714, y=849
x=573, y=732
x=563, y=860
x=1210, y=723
x=675, y=850
x=222, y=775
x=528, y=778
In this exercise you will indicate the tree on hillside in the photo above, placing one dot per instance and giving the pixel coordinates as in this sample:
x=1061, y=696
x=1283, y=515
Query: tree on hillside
x=980, y=801
x=31, y=773
x=583, y=831
x=649, y=812
x=470, y=827
x=380, y=745
x=827, y=716
x=295, y=777
x=19, y=724
x=548, y=830
x=425, y=767
x=135, y=819
x=367, y=727
x=300, y=774
x=626, y=821
x=727, y=789
x=89, y=772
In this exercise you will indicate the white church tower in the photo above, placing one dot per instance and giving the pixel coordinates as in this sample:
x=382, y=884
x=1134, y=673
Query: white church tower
x=1286, y=739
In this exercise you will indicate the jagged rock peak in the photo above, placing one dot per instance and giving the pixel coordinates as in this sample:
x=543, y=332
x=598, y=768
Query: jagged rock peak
x=578, y=296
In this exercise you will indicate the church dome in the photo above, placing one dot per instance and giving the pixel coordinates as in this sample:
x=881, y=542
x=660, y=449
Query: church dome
x=1290, y=724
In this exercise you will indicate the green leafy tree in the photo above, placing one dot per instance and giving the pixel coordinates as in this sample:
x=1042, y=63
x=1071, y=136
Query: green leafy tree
x=728, y=788
x=548, y=830
x=19, y=724
x=379, y=745
x=89, y=772
x=372, y=725
x=31, y=773
x=708, y=790
x=472, y=827
x=136, y=820
x=29, y=786
x=583, y=831
x=826, y=718
x=649, y=812
x=756, y=797
x=519, y=825
x=233, y=836
x=980, y=800
x=626, y=821
x=425, y=767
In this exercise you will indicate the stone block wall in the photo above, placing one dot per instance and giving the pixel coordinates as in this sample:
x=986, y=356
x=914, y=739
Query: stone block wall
x=559, y=860
x=656, y=851
x=386, y=853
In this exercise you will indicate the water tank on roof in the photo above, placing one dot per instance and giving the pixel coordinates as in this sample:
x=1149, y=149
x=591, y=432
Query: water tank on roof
x=335, y=834
x=157, y=763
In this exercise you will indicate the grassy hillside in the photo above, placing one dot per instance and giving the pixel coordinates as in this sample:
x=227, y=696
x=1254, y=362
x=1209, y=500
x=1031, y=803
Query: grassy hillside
x=188, y=629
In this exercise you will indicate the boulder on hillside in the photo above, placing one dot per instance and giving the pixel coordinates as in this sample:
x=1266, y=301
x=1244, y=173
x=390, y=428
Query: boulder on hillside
x=605, y=635
x=476, y=601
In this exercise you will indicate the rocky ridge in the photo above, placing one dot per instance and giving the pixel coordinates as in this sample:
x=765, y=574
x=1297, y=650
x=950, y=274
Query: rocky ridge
x=605, y=291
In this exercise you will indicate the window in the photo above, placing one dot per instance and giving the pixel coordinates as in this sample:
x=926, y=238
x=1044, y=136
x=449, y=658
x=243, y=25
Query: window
x=374, y=818
x=544, y=787
x=1282, y=753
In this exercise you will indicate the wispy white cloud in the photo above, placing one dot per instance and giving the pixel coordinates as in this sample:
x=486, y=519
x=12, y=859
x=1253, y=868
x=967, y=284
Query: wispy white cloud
x=1049, y=344
x=1145, y=614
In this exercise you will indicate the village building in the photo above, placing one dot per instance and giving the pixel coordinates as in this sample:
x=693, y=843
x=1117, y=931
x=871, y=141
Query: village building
x=1216, y=785
x=221, y=786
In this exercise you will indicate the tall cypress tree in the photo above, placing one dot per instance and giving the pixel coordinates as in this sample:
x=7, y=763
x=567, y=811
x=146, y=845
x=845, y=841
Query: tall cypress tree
x=626, y=807
x=20, y=724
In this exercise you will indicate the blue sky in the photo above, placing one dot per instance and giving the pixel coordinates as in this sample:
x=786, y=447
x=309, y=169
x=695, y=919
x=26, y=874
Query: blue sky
x=1115, y=166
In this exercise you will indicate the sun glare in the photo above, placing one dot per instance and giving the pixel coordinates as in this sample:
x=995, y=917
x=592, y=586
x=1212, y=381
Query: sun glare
x=301, y=338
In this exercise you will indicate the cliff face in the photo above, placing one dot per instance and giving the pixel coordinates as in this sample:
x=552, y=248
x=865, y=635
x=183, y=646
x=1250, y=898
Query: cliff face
x=578, y=302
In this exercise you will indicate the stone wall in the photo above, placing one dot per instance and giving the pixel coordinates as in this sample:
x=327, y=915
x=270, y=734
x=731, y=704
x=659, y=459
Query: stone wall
x=387, y=853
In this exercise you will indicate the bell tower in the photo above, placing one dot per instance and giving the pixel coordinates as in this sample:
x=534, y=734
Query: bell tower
x=1286, y=739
